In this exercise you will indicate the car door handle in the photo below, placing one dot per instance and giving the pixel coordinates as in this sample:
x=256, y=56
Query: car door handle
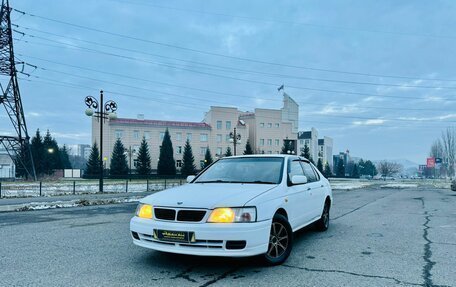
x=309, y=188
x=322, y=185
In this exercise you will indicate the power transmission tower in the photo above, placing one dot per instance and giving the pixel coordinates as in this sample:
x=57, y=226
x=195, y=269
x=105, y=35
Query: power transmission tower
x=18, y=147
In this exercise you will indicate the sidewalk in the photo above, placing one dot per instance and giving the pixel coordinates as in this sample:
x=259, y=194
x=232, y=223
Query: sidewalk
x=45, y=202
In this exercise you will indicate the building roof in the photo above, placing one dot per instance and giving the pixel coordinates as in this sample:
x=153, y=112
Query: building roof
x=305, y=135
x=159, y=123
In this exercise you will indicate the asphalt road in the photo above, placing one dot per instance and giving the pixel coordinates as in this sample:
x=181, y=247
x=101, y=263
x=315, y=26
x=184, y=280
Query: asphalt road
x=377, y=237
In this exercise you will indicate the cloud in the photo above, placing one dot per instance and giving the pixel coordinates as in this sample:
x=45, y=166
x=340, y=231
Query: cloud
x=436, y=118
x=370, y=122
x=334, y=108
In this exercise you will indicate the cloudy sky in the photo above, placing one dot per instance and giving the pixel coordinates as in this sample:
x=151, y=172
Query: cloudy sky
x=377, y=76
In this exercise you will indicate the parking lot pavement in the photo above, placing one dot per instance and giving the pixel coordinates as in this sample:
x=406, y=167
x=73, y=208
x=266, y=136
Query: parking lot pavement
x=377, y=237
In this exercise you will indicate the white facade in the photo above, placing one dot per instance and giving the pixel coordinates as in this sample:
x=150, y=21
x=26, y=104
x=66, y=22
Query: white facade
x=309, y=138
x=7, y=167
x=325, y=150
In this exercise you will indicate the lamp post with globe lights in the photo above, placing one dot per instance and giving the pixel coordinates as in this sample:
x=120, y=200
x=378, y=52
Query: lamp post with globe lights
x=102, y=113
x=235, y=138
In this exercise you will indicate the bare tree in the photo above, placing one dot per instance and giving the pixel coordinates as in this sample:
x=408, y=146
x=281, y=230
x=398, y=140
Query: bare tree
x=388, y=168
x=437, y=149
x=449, y=149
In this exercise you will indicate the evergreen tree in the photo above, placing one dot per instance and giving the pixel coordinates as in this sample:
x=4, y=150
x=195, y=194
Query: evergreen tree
x=228, y=152
x=19, y=162
x=144, y=163
x=166, y=163
x=119, y=165
x=305, y=152
x=320, y=165
x=188, y=161
x=64, y=157
x=327, y=172
x=51, y=158
x=93, y=164
x=367, y=168
x=37, y=152
x=340, y=172
x=286, y=147
x=208, y=157
x=248, y=148
x=355, y=171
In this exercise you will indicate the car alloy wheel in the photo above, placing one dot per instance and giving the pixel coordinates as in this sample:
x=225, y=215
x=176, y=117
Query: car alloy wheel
x=323, y=223
x=278, y=240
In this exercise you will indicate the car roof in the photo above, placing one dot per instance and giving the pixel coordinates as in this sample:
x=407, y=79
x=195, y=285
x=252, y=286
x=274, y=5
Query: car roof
x=269, y=155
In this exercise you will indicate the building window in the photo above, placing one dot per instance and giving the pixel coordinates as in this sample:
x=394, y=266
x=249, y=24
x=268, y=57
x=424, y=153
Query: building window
x=277, y=142
x=203, y=137
x=203, y=150
x=261, y=141
x=178, y=136
x=301, y=142
x=277, y=125
x=135, y=163
x=179, y=150
x=219, y=151
x=228, y=125
x=269, y=125
x=178, y=163
x=219, y=125
x=227, y=138
x=219, y=138
x=269, y=141
x=189, y=136
x=307, y=142
x=147, y=135
x=119, y=134
x=162, y=135
x=261, y=125
x=136, y=135
x=269, y=152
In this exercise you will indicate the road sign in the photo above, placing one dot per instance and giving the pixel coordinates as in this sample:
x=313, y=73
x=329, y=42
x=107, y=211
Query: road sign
x=430, y=163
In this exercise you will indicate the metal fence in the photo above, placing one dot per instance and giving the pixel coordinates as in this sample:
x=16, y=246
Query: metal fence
x=54, y=188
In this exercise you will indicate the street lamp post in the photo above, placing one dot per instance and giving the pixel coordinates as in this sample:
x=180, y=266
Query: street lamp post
x=102, y=113
x=235, y=138
x=130, y=152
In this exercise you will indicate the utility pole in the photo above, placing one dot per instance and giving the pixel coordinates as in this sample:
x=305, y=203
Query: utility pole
x=235, y=138
x=18, y=146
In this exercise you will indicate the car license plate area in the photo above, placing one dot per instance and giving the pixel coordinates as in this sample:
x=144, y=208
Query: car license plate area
x=173, y=236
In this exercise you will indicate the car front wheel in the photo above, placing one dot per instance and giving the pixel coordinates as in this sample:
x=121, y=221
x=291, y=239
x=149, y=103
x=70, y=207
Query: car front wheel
x=323, y=223
x=280, y=241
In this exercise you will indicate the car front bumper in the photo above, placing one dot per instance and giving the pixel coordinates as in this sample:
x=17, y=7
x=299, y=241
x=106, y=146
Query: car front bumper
x=211, y=238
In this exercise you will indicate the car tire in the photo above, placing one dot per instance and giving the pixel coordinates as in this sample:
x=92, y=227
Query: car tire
x=323, y=223
x=280, y=241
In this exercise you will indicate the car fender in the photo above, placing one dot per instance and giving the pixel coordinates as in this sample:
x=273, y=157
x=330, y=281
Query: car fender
x=268, y=203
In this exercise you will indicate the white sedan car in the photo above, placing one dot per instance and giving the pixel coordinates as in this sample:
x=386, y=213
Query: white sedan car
x=238, y=206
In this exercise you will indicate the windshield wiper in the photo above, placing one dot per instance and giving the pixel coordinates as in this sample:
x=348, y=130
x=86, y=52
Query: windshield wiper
x=214, y=181
x=261, y=182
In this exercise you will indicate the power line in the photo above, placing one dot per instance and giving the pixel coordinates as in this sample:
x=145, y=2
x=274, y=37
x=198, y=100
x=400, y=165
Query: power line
x=218, y=54
x=53, y=82
x=186, y=96
x=312, y=25
x=218, y=92
x=229, y=77
x=229, y=68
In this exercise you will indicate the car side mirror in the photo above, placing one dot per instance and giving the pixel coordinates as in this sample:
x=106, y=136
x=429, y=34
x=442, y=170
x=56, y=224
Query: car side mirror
x=190, y=178
x=299, y=179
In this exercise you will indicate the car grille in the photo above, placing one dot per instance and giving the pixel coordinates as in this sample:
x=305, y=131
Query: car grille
x=165, y=213
x=191, y=215
x=185, y=215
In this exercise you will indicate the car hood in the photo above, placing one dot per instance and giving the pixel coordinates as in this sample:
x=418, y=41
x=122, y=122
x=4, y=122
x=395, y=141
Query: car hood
x=207, y=195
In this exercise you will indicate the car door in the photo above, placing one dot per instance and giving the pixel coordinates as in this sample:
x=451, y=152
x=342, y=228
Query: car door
x=315, y=190
x=299, y=206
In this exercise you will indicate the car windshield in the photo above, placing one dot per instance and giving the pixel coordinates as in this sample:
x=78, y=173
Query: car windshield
x=261, y=170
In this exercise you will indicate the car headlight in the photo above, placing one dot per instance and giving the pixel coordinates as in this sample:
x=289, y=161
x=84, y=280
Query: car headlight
x=230, y=215
x=144, y=211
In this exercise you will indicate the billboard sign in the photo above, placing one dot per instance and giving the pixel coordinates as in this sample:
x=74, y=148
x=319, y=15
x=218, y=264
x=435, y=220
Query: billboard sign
x=430, y=163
